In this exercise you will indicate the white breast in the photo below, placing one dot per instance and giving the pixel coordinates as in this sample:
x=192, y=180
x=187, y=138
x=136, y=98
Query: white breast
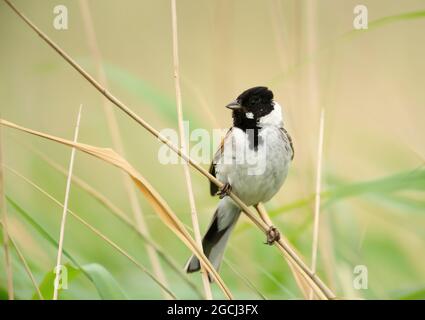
x=256, y=175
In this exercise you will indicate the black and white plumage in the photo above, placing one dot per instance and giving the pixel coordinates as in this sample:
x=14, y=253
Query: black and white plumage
x=253, y=160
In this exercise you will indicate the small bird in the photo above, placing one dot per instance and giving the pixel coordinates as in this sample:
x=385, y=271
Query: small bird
x=252, y=162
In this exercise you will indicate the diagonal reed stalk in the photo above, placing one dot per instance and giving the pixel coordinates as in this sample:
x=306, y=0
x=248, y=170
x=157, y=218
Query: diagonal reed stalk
x=3, y=216
x=95, y=231
x=117, y=140
x=24, y=263
x=314, y=281
x=317, y=197
x=168, y=217
x=65, y=210
x=183, y=148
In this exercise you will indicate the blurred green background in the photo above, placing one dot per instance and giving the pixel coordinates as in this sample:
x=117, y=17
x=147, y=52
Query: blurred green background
x=370, y=83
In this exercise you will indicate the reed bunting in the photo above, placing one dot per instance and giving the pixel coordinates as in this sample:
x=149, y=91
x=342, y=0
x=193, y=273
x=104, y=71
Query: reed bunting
x=252, y=162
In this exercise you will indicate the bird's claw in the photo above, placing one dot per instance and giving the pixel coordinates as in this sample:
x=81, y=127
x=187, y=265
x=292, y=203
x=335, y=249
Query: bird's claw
x=272, y=235
x=224, y=191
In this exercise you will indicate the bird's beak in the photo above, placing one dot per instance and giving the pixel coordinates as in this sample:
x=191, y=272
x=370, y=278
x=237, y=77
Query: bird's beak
x=234, y=105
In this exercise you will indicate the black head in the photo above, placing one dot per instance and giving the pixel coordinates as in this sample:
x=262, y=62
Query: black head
x=257, y=100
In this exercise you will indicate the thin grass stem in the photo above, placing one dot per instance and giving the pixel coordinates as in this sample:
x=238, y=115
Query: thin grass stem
x=183, y=148
x=65, y=210
x=316, y=224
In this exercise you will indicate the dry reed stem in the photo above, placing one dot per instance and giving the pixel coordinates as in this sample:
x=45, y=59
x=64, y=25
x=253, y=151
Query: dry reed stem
x=3, y=216
x=160, y=206
x=313, y=102
x=65, y=210
x=326, y=247
x=117, y=140
x=183, y=148
x=322, y=290
x=94, y=230
x=317, y=196
x=25, y=264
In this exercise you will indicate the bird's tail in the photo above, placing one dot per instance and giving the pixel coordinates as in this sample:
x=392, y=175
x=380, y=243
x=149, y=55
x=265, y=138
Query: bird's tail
x=214, y=241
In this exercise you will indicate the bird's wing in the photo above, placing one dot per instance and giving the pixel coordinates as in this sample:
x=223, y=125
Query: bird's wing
x=217, y=156
x=288, y=138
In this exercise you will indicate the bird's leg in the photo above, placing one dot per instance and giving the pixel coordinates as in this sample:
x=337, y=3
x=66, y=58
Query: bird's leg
x=272, y=233
x=225, y=190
